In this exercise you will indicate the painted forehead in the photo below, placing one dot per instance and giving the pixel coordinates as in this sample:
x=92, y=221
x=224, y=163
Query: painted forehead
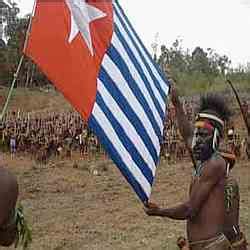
x=204, y=125
x=209, y=117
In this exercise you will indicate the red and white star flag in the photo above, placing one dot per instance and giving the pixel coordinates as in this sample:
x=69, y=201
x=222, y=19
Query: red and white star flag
x=91, y=53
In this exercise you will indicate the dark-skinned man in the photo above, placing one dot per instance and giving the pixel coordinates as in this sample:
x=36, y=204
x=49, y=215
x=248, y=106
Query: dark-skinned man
x=204, y=211
x=231, y=227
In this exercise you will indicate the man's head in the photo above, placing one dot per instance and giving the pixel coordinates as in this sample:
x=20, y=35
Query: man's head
x=209, y=125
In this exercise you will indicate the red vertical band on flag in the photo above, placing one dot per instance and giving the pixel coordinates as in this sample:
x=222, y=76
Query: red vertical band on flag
x=70, y=65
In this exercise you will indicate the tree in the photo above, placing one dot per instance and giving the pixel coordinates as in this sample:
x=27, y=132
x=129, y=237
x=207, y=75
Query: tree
x=200, y=68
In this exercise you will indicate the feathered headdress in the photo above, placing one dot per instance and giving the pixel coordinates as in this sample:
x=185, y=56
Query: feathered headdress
x=213, y=108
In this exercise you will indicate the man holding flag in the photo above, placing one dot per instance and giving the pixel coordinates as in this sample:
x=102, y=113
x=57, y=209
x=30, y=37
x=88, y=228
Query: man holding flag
x=91, y=53
x=205, y=209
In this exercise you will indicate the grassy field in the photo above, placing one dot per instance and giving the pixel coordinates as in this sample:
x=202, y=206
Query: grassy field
x=33, y=100
x=40, y=99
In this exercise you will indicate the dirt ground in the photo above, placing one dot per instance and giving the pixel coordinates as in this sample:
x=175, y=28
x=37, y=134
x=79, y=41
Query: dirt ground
x=89, y=205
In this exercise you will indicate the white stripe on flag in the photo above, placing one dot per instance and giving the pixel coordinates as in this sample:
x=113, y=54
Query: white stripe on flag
x=130, y=106
x=121, y=83
x=150, y=80
x=127, y=126
x=123, y=153
x=117, y=44
x=162, y=83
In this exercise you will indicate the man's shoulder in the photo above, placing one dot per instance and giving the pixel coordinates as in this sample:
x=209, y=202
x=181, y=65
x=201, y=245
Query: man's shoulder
x=218, y=161
x=215, y=166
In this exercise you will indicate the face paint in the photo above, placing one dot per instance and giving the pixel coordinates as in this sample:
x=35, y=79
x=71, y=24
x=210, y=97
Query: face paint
x=202, y=144
x=204, y=124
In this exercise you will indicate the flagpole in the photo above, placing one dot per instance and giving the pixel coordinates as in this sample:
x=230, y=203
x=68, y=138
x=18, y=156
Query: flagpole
x=19, y=65
x=29, y=27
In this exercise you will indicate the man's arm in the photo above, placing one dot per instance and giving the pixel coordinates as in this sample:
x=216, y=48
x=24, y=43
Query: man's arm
x=184, y=125
x=180, y=212
x=212, y=173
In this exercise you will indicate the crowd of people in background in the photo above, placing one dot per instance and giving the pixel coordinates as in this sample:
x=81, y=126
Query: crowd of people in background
x=52, y=135
x=45, y=135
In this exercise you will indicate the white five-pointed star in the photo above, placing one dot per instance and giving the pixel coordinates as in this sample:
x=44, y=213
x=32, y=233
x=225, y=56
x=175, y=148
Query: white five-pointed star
x=82, y=14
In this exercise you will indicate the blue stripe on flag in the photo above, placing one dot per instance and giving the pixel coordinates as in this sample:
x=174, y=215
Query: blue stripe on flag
x=95, y=126
x=140, y=71
x=130, y=105
x=128, y=111
x=162, y=93
x=165, y=81
x=127, y=143
x=121, y=65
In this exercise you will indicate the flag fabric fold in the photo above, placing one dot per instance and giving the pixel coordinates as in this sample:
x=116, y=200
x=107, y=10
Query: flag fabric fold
x=108, y=75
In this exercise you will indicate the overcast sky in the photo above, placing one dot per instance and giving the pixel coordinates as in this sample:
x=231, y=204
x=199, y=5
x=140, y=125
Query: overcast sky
x=223, y=25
